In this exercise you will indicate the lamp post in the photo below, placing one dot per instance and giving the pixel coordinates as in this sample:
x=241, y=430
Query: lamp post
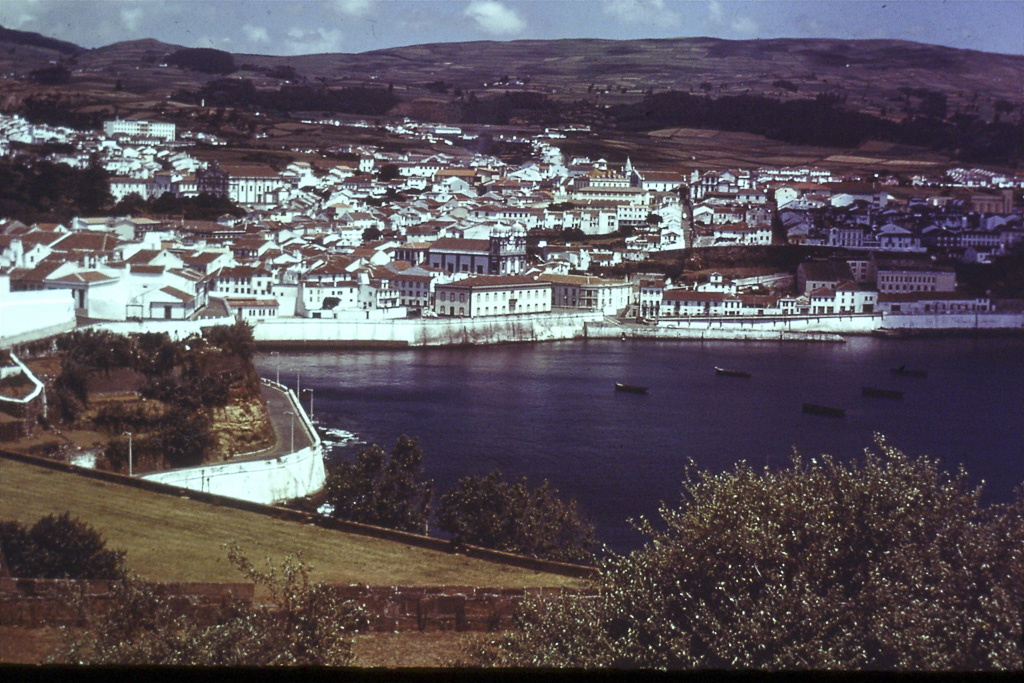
x=278, y=354
x=310, y=402
x=129, y=435
x=293, y=429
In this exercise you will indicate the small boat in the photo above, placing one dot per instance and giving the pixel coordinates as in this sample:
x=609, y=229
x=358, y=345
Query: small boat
x=903, y=371
x=829, y=411
x=881, y=393
x=726, y=372
x=630, y=388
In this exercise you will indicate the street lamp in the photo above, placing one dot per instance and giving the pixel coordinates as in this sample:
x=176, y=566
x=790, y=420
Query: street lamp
x=310, y=402
x=293, y=429
x=278, y=354
x=129, y=434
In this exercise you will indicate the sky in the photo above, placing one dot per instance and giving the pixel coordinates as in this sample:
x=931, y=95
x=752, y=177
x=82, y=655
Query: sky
x=291, y=27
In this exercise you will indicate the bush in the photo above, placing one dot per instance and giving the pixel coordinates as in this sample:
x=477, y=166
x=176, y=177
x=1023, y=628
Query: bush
x=306, y=624
x=382, y=488
x=59, y=547
x=885, y=563
x=491, y=512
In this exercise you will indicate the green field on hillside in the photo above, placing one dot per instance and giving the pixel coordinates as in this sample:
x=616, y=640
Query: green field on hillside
x=168, y=538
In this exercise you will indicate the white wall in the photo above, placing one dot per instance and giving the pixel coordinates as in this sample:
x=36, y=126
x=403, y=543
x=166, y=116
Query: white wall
x=260, y=481
x=270, y=480
x=946, y=321
x=175, y=329
x=26, y=316
x=425, y=331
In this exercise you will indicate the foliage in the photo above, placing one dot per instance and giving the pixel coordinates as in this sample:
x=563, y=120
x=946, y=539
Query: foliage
x=242, y=93
x=184, y=437
x=51, y=75
x=306, y=624
x=501, y=109
x=204, y=207
x=824, y=121
x=59, y=547
x=885, y=563
x=204, y=59
x=235, y=339
x=491, y=512
x=12, y=36
x=382, y=488
x=40, y=190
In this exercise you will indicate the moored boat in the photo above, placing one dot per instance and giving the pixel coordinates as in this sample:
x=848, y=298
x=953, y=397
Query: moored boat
x=828, y=411
x=630, y=388
x=726, y=372
x=881, y=393
x=904, y=371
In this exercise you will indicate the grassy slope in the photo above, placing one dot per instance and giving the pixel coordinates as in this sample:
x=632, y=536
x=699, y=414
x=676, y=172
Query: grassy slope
x=173, y=539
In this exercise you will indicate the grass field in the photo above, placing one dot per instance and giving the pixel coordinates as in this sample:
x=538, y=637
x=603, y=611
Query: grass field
x=177, y=539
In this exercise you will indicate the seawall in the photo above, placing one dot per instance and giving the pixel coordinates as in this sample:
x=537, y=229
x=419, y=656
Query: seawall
x=829, y=328
x=421, y=332
x=262, y=480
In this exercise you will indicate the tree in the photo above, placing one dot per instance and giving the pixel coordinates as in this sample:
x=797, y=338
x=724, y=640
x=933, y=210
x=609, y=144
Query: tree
x=388, y=172
x=235, y=339
x=306, y=624
x=491, y=512
x=383, y=488
x=371, y=234
x=884, y=563
x=59, y=547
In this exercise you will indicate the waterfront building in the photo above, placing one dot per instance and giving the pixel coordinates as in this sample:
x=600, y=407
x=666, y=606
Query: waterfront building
x=897, y=276
x=589, y=293
x=933, y=302
x=482, y=296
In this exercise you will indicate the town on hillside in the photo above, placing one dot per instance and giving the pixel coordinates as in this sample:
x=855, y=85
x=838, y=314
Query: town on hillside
x=386, y=236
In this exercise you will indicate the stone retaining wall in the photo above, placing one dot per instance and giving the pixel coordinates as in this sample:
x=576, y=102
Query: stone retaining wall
x=34, y=603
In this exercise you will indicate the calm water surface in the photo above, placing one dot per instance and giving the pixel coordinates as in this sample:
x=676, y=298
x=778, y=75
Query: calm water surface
x=549, y=411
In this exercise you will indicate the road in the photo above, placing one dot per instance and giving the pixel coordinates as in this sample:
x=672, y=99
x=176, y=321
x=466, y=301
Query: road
x=278, y=406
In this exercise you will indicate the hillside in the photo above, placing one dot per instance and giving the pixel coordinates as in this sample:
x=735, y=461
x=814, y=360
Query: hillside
x=168, y=538
x=544, y=83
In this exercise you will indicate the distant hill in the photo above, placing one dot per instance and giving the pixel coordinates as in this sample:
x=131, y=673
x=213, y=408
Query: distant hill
x=603, y=83
x=10, y=36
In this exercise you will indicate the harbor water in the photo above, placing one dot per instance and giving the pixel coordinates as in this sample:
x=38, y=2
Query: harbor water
x=550, y=411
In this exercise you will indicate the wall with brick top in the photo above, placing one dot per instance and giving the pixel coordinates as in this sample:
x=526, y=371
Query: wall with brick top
x=31, y=603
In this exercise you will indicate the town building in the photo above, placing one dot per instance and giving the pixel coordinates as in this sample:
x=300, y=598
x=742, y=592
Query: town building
x=483, y=296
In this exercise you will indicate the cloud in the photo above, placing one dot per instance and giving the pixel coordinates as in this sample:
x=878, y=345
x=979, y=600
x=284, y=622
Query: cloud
x=17, y=13
x=352, y=8
x=255, y=34
x=494, y=18
x=715, y=10
x=645, y=12
x=745, y=25
x=315, y=41
x=130, y=18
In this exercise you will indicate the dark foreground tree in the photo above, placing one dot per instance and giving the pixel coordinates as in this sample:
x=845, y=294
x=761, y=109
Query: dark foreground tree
x=885, y=563
x=382, y=488
x=305, y=623
x=491, y=512
x=59, y=547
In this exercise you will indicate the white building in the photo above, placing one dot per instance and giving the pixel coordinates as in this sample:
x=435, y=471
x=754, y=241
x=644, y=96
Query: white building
x=140, y=129
x=589, y=292
x=482, y=296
